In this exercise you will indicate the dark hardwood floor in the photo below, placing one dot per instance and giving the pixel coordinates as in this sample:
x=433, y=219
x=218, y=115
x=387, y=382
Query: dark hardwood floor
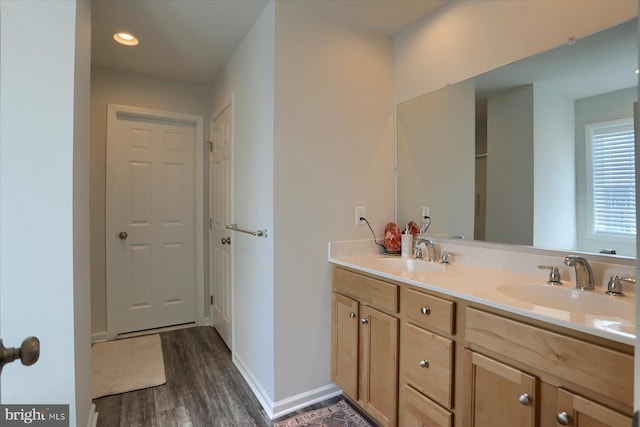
x=203, y=388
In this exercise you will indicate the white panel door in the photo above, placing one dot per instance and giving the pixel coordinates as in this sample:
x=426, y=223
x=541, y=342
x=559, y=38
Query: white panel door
x=220, y=238
x=150, y=223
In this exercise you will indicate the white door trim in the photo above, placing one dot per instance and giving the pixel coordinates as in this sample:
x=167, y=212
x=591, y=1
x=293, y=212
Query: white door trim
x=199, y=224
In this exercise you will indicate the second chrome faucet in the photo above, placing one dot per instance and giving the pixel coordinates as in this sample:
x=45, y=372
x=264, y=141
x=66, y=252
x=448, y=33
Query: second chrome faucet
x=584, y=275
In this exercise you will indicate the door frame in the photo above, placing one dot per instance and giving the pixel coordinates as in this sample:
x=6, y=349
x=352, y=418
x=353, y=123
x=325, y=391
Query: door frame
x=227, y=103
x=113, y=110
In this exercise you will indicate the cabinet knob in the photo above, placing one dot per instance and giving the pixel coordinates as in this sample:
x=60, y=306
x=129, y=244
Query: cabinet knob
x=424, y=363
x=364, y=320
x=352, y=315
x=425, y=310
x=524, y=399
x=563, y=419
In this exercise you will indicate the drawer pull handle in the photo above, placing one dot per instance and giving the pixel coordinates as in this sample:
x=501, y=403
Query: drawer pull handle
x=364, y=320
x=425, y=310
x=563, y=418
x=424, y=363
x=524, y=399
x=352, y=315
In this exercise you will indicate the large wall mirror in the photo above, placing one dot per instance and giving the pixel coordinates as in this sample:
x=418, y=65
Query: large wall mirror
x=539, y=152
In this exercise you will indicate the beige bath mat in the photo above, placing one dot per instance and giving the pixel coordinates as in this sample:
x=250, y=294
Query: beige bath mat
x=126, y=365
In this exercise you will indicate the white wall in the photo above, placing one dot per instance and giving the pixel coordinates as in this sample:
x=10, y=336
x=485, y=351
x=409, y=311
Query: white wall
x=334, y=150
x=249, y=76
x=436, y=148
x=467, y=38
x=600, y=108
x=313, y=137
x=44, y=267
x=554, y=187
x=510, y=166
x=137, y=90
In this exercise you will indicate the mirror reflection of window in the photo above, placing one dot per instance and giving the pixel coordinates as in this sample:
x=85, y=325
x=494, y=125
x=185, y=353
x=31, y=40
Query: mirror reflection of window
x=611, y=190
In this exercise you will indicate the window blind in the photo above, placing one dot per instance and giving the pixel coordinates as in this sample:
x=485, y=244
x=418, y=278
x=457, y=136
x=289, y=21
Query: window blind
x=613, y=179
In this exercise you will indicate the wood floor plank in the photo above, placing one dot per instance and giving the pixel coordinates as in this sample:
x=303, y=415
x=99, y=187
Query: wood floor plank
x=138, y=408
x=177, y=417
x=204, y=388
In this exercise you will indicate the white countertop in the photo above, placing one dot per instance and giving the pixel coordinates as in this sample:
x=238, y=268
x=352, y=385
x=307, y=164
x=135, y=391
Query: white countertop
x=591, y=312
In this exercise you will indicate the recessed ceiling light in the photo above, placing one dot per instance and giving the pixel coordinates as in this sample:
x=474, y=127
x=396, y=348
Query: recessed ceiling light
x=637, y=71
x=126, y=39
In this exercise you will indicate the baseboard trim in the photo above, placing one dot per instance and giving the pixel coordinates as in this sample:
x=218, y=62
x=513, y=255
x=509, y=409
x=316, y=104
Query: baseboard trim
x=302, y=400
x=256, y=387
x=93, y=416
x=290, y=404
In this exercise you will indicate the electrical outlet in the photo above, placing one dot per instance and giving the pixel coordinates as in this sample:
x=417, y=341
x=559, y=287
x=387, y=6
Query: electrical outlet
x=361, y=212
x=425, y=212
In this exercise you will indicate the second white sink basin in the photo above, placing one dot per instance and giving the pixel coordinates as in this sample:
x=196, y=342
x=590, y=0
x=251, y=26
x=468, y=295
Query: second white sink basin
x=411, y=264
x=571, y=300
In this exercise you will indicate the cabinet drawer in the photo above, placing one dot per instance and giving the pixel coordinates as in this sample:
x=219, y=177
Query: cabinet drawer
x=427, y=360
x=427, y=310
x=366, y=289
x=602, y=370
x=421, y=411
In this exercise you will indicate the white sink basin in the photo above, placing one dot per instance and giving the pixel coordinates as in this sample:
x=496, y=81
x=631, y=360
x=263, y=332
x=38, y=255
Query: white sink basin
x=411, y=264
x=572, y=300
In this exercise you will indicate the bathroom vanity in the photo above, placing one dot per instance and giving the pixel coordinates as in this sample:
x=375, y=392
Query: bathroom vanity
x=422, y=344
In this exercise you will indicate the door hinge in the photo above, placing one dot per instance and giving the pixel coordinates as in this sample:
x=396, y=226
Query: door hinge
x=210, y=299
x=210, y=146
x=210, y=223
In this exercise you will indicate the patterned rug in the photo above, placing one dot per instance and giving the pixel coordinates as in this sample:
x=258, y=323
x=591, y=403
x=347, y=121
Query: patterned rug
x=337, y=415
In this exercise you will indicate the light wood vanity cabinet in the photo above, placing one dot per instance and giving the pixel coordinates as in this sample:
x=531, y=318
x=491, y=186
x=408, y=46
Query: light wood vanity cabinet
x=502, y=395
x=394, y=354
x=364, y=351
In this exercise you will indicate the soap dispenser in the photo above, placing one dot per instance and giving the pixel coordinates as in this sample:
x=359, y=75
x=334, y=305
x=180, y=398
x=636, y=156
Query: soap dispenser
x=407, y=242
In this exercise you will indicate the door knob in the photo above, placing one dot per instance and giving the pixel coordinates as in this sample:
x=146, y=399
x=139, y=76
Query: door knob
x=123, y=235
x=226, y=240
x=28, y=353
x=352, y=315
x=364, y=320
x=524, y=399
x=424, y=363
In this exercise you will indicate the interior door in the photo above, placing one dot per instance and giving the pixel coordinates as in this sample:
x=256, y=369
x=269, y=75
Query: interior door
x=220, y=238
x=150, y=222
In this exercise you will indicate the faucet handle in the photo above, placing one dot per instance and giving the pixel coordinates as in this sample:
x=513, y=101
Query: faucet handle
x=446, y=257
x=614, y=287
x=554, y=274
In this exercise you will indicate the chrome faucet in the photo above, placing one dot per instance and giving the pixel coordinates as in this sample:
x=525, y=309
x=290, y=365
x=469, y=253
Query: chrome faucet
x=584, y=275
x=428, y=244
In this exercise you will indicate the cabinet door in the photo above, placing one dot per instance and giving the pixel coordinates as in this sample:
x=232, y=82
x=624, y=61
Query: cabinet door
x=576, y=411
x=500, y=396
x=379, y=365
x=344, y=348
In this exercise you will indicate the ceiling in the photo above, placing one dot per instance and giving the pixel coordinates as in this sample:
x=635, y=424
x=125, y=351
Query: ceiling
x=191, y=40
